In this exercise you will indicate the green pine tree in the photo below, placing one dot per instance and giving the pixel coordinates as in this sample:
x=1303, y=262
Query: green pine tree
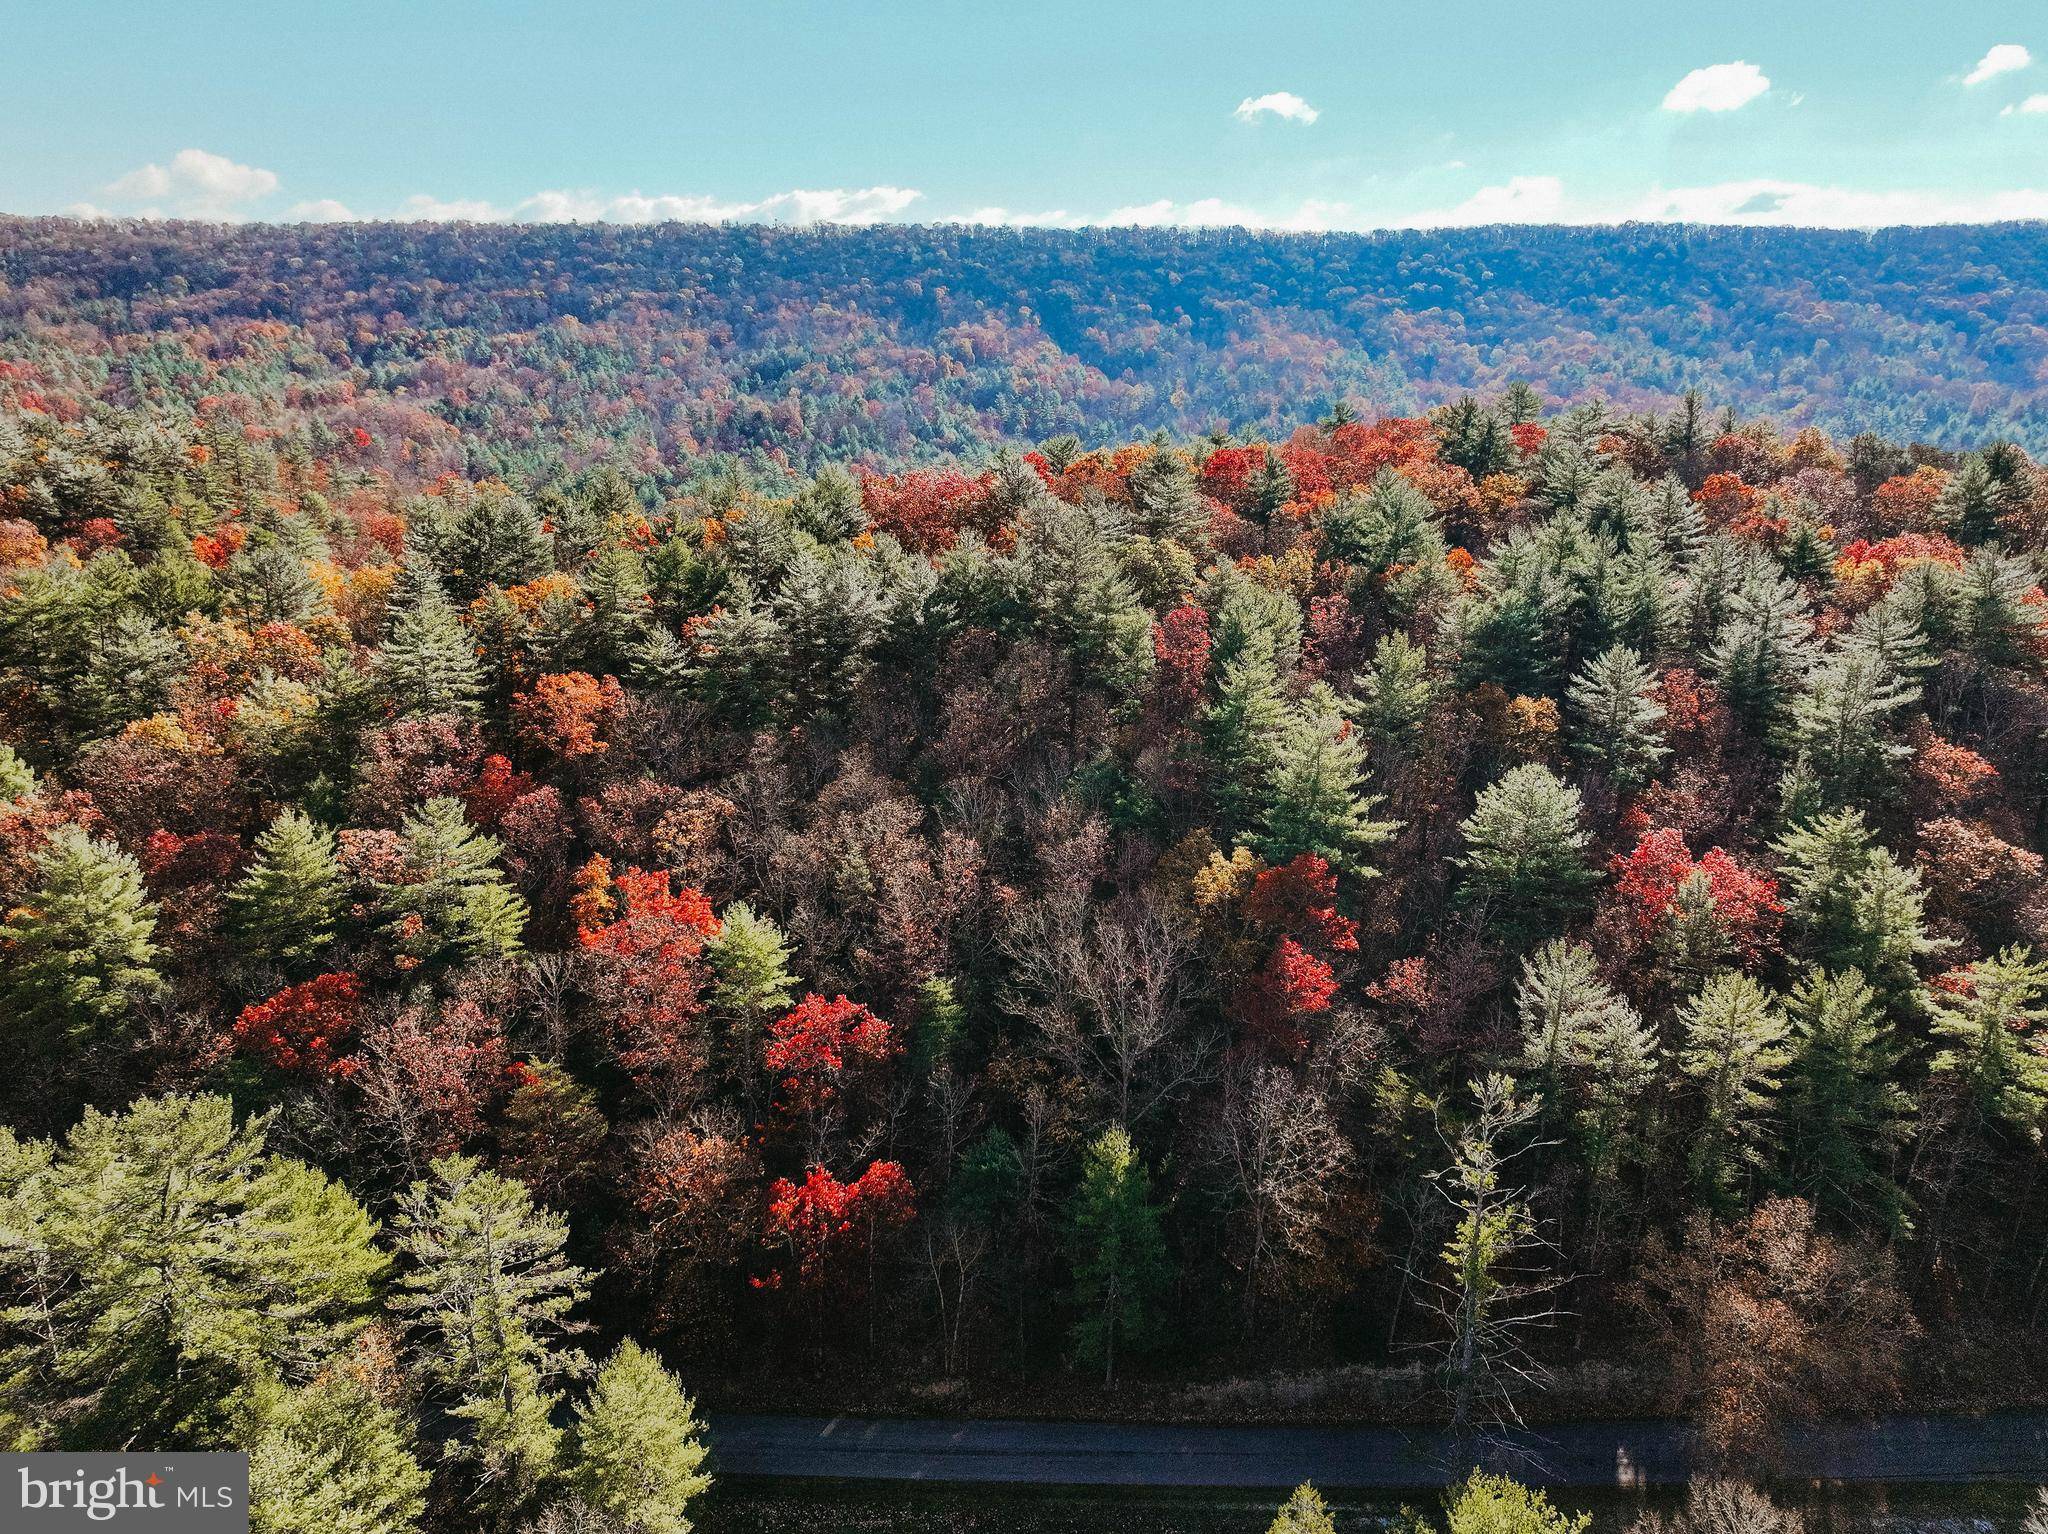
x=1986, y=1056
x=1303, y=1513
x=330, y=1458
x=1314, y=800
x=1242, y=729
x=450, y=900
x=1851, y=905
x=1734, y=1048
x=1612, y=700
x=1846, y=1116
x=429, y=663
x=1118, y=1255
x=749, y=967
x=1525, y=861
x=637, y=1453
x=285, y=908
x=160, y=1262
x=80, y=950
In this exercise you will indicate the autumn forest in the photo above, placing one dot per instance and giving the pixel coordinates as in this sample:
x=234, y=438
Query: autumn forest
x=599, y=826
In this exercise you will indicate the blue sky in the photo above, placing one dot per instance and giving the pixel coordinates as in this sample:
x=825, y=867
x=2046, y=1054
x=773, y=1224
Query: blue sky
x=1290, y=113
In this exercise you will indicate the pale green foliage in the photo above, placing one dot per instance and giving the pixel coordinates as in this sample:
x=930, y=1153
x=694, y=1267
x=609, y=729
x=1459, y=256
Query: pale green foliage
x=159, y=1260
x=1526, y=852
x=1734, y=1048
x=17, y=778
x=1119, y=1259
x=285, y=907
x=1987, y=1048
x=637, y=1455
x=1242, y=729
x=1315, y=799
x=1845, y=1115
x=80, y=950
x=1838, y=733
x=488, y=1290
x=450, y=901
x=1764, y=648
x=1618, y=718
x=429, y=665
x=330, y=1458
x=749, y=965
x=1303, y=1513
x=1395, y=693
x=1851, y=905
x=1494, y=1504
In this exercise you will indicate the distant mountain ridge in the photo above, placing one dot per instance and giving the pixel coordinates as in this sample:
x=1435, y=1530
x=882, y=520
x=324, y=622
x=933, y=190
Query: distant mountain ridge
x=657, y=345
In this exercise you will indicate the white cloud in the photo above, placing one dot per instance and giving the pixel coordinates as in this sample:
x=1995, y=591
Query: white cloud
x=321, y=210
x=420, y=208
x=835, y=205
x=1717, y=88
x=1314, y=214
x=196, y=184
x=1766, y=201
x=1279, y=104
x=1010, y=218
x=1520, y=200
x=2001, y=59
x=2031, y=107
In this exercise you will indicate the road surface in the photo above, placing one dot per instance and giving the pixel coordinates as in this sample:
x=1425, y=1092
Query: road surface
x=2010, y=1447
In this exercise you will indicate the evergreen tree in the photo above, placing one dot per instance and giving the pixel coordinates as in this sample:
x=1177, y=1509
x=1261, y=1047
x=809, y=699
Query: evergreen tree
x=1852, y=906
x=1986, y=1056
x=285, y=907
x=80, y=950
x=1395, y=693
x=1618, y=716
x=615, y=623
x=1314, y=800
x=1837, y=731
x=1734, y=1048
x=637, y=1455
x=1970, y=503
x=450, y=900
x=830, y=508
x=130, y=673
x=750, y=968
x=488, y=1292
x=159, y=1263
x=1525, y=859
x=1242, y=729
x=829, y=616
x=1119, y=1259
x=1845, y=1113
x=1269, y=487
x=1494, y=1504
x=740, y=661
x=330, y=1458
x=1303, y=1513
x=1166, y=502
x=429, y=665
x=1761, y=656
x=497, y=540
x=17, y=778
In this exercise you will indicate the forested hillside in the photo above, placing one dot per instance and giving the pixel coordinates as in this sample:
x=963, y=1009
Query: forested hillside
x=1547, y=905
x=518, y=350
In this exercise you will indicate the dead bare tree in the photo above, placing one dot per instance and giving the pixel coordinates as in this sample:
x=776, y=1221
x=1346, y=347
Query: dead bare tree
x=1491, y=1281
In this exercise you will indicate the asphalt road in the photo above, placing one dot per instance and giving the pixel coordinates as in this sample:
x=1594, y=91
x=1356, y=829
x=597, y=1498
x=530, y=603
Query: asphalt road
x=2010, y=1447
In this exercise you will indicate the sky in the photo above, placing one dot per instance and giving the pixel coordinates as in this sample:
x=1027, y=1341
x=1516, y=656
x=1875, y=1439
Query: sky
x=1290, y=114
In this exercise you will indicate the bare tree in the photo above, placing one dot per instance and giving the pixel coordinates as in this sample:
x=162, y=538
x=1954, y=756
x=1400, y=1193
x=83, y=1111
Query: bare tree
x=1109, y=987
x=1489, y=1287
x=1282, y=1155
